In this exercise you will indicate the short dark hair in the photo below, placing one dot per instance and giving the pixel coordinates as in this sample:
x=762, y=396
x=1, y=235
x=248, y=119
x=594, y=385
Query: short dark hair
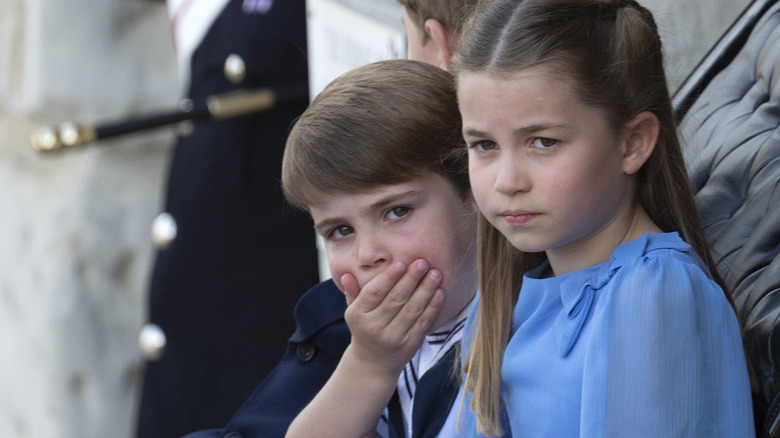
x=454, y=14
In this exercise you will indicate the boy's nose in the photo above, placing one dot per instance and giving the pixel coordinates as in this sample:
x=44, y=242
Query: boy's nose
x=372, y=251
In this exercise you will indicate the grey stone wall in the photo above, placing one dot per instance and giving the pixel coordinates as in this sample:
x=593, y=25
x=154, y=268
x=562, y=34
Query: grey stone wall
x=74, y=248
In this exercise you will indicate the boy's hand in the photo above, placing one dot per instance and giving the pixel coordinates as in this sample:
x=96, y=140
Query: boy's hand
x=391, y=315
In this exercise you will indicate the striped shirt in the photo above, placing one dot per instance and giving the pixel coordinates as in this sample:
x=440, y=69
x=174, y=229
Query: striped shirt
x=434, y=348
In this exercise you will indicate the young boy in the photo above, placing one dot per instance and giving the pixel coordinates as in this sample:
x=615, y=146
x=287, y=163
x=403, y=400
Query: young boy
x=378, y=161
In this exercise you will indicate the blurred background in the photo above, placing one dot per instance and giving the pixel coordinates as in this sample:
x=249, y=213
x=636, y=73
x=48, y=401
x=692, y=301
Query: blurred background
x=75, y=247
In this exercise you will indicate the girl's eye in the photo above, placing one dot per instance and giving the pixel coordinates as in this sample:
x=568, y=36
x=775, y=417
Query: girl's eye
x=398, y=212
x=544, y=143
x=340, y=232
x=485, y=145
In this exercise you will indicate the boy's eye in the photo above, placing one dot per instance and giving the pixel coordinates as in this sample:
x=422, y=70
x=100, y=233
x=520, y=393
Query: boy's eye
x=398, y=212
x=485, y=145
x=544, y=143
x=341, y=231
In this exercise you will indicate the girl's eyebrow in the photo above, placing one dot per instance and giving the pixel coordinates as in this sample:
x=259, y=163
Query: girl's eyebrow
x=470, y=132
x=519, y=132
x=532, y=129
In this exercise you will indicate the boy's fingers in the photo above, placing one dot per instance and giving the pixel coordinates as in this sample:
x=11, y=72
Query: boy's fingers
x=430, y=313
x=423, y=303
x=374, y=292
x=422, y=324
x=392, y=326
x=406, y=286
x=351, y=287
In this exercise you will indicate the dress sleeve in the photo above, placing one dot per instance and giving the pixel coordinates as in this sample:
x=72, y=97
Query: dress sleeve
x=666, y=358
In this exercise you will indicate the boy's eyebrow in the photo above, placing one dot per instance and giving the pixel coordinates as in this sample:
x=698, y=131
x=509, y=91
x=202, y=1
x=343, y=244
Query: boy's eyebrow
x=391, y=199
x=327, y=223
x=381, y=204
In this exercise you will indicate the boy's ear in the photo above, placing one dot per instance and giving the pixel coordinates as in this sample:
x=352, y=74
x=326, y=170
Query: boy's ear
x=445, y=39
x=639, y=141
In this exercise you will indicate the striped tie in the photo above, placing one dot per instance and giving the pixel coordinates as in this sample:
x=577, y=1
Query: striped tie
x=441, y=345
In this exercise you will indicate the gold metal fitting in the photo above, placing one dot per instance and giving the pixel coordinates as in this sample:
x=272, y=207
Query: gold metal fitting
x=49, y=139
x=240, y=102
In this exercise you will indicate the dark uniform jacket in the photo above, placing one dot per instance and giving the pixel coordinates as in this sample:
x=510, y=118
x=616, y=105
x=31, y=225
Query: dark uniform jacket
x=224, y=290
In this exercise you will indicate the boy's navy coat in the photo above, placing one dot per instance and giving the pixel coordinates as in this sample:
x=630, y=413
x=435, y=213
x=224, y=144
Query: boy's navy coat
x=312, y=354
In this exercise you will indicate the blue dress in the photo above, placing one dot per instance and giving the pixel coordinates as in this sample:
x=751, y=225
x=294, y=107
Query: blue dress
x=644, y=345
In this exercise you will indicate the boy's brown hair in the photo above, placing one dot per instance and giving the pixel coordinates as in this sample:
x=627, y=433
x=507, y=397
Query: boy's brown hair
x=379, y=124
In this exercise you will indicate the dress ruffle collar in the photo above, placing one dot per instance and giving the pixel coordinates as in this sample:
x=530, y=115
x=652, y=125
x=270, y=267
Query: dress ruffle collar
x=578, y=289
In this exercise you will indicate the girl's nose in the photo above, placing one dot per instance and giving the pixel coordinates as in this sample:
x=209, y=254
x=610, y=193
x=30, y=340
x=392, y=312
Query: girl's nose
x=512, y=175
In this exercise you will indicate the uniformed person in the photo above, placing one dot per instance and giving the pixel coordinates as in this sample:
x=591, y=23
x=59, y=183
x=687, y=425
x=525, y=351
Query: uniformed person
x=232, y=256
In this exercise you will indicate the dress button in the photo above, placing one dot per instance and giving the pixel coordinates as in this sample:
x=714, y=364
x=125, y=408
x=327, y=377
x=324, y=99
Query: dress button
x=306, y=351
x=163, y=230
x=235, y=69
x=152, y=341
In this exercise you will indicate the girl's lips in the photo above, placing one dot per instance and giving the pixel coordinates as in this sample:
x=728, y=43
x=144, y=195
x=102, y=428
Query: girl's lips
x=515, y=218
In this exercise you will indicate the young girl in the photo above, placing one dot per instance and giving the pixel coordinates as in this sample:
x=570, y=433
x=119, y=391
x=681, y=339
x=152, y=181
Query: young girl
x=600, y=311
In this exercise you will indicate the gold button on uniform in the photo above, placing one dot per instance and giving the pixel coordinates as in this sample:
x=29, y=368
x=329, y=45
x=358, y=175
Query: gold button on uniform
x=235, y=69
x=163, y=230
x=152, y=341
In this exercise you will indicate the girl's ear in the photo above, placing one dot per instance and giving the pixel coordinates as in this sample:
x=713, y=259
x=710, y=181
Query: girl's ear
x=445, y=39
x=639, y=141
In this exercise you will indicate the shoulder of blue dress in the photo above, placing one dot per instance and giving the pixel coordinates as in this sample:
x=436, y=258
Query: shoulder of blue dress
x=578, y=292
x=645, y=245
